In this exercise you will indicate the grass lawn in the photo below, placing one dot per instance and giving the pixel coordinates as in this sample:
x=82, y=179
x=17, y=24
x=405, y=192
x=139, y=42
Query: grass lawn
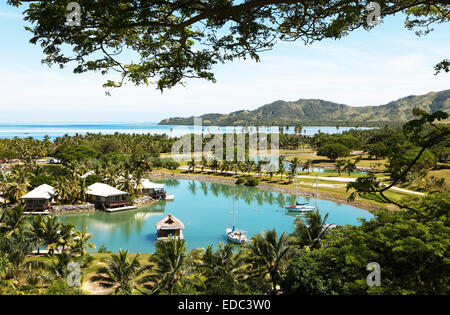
x=441, y=174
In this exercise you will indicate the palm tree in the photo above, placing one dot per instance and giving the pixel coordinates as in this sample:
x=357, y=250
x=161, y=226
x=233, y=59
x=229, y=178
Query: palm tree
x=5, y=269
x=82, y=242
x=271, y=169
x=62, y=189
x=138, y=176
x=293, y=168
x=259, y=167
x=192, y=164
x=15, y=249
x=37, y=230
x=4, y=186
x=311, y=233
x=223, y=265
x=122, y=273
x=52, y=237
x=203, y=163
x=295, y=163
x=214, y=165
x=171, y=263
x=350, y=166
x=58, y=269
x=128, y=183
x=339, y=165
x=19, y=183
x=270, y=255
x=307, y=166
x=281, y=166
x=12, y=221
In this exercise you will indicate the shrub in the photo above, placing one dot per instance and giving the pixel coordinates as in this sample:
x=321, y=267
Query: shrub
x=240, y=180
x=172, y=165
x=157, y=163
x=60, y=287
x=252, y=182
x=103, y=250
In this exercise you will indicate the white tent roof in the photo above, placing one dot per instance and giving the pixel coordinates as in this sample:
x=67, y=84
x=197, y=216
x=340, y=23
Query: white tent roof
x=147, y=184
x=103, y=190
x=42, y=192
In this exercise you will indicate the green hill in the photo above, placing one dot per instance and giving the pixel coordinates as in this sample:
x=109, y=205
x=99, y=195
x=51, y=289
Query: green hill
x=320, y=112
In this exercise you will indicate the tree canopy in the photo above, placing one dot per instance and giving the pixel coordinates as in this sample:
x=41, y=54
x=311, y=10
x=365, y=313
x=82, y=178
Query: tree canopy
x=177, y=39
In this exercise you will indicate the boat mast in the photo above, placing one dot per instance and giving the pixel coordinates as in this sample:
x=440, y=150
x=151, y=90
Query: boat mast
x=296, y=186
x=317, y=188
x=234, y=193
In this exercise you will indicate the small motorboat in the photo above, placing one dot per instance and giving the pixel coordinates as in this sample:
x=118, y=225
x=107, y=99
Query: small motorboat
x=300, y=207
x=170, y=197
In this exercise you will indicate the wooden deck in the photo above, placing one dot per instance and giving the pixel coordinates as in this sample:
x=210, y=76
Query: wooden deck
x=37, y=212
x=117, y=209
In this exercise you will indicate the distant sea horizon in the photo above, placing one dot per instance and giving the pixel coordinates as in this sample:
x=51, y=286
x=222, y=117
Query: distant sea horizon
x=59, y=129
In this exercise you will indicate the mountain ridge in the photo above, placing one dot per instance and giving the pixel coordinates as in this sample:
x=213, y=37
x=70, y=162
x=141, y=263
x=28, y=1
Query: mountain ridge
x=321, y=112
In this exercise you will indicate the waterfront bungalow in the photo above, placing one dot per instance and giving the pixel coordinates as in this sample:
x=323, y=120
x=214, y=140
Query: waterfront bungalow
x=169, y=226
x=148, y=188
x=108, y=198
x=40, y=198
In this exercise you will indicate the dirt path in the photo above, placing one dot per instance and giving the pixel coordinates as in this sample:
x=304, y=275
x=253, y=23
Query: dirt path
x=94, y=288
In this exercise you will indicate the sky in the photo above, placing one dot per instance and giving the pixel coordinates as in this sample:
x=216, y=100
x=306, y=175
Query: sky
x=365, y=68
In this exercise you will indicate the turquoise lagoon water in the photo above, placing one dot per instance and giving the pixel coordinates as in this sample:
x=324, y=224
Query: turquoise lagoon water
x=206, y=210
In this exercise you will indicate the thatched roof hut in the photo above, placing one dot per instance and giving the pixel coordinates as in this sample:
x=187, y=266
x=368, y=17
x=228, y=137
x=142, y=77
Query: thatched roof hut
x=169, y=223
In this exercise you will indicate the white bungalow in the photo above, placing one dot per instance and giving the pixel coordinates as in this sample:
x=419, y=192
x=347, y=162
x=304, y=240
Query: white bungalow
x=169, y=226
x=40, y=198
x=151, y=189
x=108, y=198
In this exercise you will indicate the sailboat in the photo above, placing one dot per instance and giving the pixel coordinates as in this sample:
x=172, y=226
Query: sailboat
x=233, y=234
x=299, y=207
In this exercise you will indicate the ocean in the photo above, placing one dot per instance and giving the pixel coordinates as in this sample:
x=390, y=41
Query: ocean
x=54, y=130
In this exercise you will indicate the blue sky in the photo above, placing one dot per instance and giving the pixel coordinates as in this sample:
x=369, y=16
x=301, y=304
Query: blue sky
x=366, y=68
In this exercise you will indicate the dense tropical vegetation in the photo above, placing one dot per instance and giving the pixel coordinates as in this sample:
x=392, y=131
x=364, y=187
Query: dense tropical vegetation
x=411, y=245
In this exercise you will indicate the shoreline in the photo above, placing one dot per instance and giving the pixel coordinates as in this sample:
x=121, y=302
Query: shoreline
x=273, y=188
